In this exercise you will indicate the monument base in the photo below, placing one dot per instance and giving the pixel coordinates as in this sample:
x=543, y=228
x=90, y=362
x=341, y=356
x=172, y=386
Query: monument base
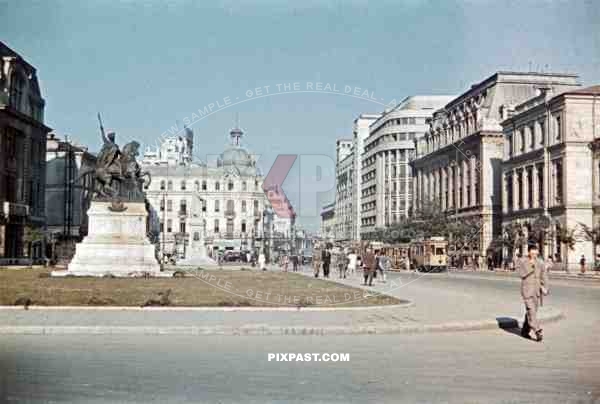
x=116, y=244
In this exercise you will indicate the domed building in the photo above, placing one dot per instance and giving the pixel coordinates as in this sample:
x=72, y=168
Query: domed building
x=226, y=197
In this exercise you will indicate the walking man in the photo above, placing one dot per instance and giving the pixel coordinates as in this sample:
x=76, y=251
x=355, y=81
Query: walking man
x=534, y=285
x=326, y=259
x=352, y=261
x=369, y=265
x=295, y=262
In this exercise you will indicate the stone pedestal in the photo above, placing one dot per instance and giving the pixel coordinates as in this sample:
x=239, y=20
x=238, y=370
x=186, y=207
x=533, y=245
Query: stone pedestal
x=196, y=251
x=116, y=243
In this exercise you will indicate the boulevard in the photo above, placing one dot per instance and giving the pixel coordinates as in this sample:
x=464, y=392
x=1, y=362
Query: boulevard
x=495, y=366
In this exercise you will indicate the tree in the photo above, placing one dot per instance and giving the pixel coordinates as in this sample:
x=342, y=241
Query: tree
x=568, y=237
x=591, y=233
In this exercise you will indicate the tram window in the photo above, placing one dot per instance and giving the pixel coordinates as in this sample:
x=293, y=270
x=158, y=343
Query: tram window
x=439, y=251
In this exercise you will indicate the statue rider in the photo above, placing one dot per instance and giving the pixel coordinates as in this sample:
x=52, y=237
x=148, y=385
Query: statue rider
x=108, y=157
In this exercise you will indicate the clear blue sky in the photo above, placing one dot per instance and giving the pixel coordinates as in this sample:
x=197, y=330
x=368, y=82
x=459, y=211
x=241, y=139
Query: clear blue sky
x=144, y=65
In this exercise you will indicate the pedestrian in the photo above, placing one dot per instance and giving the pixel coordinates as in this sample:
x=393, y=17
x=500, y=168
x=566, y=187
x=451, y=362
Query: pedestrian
x=316, y=264
x=352, y=261
x=369, y=267
x=326, y=259
x=582, y=263
x=382, y=262
x=262, y=262
x=341, y=262
x=284, y=262
x=490, y=262
x=534, y=285
x=295, y=262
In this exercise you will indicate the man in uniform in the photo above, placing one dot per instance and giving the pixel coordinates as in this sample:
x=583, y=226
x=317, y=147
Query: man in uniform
x=370, y=266
x=534, y=284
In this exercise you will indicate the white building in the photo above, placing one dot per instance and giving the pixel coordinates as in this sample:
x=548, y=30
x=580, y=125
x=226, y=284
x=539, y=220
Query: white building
x=386, y=180
x=344, y=168
x=359, y=133
x=327, y=230
x=232, y=200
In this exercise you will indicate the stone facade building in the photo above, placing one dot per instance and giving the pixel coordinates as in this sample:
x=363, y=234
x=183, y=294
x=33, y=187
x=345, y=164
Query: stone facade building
x=22, y=159
x=232, y=199
x=344, y=168
x=551, y=170
x=458, y=163
x=386, y=183
x=69, y=187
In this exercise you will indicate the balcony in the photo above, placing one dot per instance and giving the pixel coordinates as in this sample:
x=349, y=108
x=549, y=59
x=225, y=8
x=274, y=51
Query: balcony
x=15, y=209
x=229, y=213
x=183, y=213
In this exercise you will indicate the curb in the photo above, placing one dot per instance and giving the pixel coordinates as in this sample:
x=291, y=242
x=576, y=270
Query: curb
x=406, y=303
x=264, y=330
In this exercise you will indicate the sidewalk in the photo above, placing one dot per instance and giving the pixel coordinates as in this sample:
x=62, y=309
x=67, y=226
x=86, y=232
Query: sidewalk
x=435, y=309
x=588, y=276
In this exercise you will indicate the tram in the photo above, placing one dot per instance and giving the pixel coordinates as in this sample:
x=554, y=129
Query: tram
x=430, y=255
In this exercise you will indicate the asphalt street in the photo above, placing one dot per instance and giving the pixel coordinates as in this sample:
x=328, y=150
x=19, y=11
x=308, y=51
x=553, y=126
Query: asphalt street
x=475, y=367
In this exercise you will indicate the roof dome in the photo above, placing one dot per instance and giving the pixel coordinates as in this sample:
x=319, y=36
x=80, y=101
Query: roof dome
x=236, y=156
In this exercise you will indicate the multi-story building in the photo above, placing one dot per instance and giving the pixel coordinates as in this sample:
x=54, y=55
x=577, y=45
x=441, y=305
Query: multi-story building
x=359, y=133
x=328, y=222
x=549, y=171
x=458, y=163
x=69, y=188
x=22, y=159
x=344, y=168
x=386, y=185
x=228, y=193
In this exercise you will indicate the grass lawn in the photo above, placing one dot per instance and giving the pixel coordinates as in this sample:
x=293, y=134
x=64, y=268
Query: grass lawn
x=205, y=288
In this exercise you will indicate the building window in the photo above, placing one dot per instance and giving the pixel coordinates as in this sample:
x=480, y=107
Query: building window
x=196, y=186
x=162, y=185
x=521, y=196
x=162, y=227
x=542, y=128
x=170, y=186
x=558, y=128
x=256, y=185
x=204, y=185
x=183, y=185
x=558, y=181
x=244, y=186
x=196, y=236
x=540, y=183
x=217, y=206
x=230, y=206
x=217, y=186
x=169, y=205
x=509, y=139
x=183, y=207
x=532, y=134
x=203, y=202
x=509, y=192
x=216, y=227
x=243, y=226
x=182, y=227
x=244, y=206
x=412, y=121
x=169, y=226
x=256, y=207
x=529, y=188
x=162, y=205
x=16, y=91
x=230, y=186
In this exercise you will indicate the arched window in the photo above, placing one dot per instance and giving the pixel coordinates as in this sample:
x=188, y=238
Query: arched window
x=183, y=185
x=243, y=226
x=204, y=185
x=162, y=185
x=230, y=206
x=217, y=186
x=230, y=186
x=244, y=186
x=216, y=206
x=216, y=225
x=170, y=186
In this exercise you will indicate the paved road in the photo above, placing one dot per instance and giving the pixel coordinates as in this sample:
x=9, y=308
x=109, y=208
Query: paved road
x=485, y=366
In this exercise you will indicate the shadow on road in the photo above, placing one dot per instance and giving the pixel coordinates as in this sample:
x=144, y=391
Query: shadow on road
x=510, y=325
